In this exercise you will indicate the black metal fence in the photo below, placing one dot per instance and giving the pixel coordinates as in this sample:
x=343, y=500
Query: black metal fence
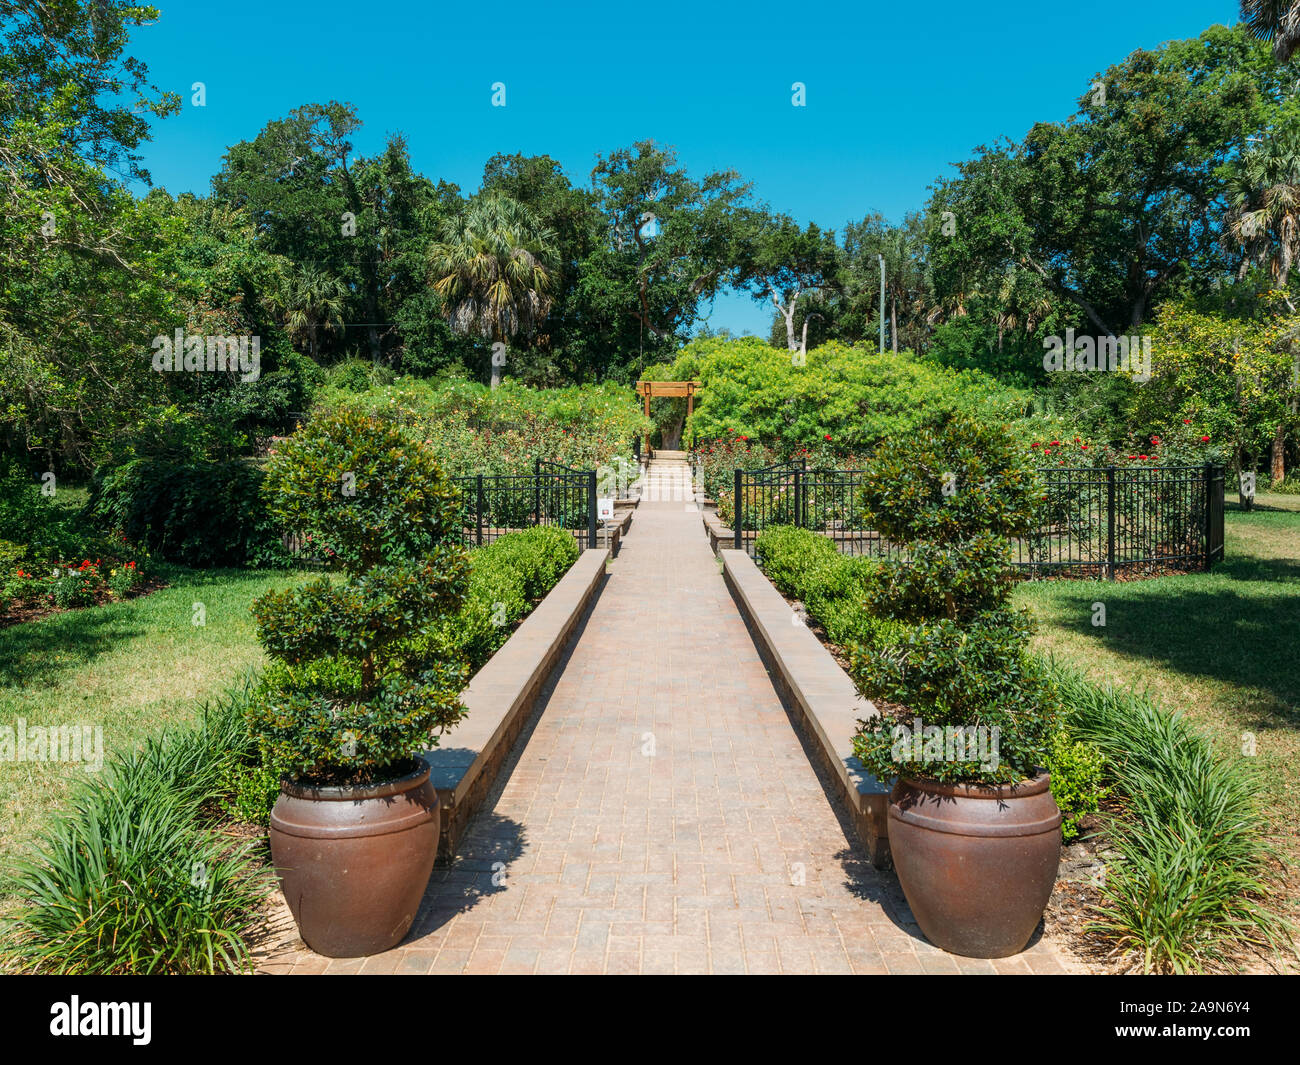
x=495, y=504
x=1090, y=522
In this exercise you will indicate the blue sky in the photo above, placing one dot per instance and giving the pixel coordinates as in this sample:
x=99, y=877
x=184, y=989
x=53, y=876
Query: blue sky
x=896, y=93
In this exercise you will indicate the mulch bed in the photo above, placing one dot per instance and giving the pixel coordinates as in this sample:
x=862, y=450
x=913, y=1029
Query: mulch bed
x=20, y=614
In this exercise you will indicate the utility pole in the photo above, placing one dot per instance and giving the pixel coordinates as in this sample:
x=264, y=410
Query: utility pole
x=882, y=302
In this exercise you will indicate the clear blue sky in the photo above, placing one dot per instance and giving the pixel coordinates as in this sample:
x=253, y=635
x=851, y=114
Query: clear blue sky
x=896, y=93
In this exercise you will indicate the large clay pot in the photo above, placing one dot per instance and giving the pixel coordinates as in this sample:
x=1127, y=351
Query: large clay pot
x=977, y=864
x=354, y=862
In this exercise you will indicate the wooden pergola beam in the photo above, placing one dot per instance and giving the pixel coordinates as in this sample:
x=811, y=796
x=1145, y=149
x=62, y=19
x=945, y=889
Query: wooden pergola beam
x=676, y=389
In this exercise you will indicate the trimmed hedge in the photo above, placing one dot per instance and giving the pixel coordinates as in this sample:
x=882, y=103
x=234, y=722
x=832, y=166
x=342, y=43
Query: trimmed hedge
x=506, y=577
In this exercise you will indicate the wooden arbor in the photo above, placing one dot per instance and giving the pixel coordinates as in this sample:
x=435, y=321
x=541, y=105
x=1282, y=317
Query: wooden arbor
x=649, y=389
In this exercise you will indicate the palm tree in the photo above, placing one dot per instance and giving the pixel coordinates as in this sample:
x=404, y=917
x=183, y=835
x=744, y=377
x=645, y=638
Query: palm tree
x=495, y=267
x=1274, y=20
x=1263, y=216
x=1263, y=219
x=309, y=301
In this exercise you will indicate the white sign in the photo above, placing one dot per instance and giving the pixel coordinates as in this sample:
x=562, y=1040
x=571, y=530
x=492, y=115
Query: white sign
x=605, y=509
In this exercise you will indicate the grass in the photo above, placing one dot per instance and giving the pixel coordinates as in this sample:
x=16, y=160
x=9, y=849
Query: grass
x=131, y=878
x=1192, y=885
x=132, y=668
x=1223, y=647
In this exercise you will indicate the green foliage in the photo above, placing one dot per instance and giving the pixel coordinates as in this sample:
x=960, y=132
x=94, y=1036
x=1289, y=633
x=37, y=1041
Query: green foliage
x=506, y=577
x=832, y=587
x=1077, y=787
x=44, y=528
x=1234, y=379
x=951, y=497
x=343, y=699
x=845, y=397
x=130, y=879
x=196, y=513
x=1195, y=881
x=474, y=429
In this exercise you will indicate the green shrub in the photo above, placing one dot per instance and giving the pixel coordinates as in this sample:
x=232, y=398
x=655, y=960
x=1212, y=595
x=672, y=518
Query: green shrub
x=541, y=556
x=351, y=375
x=832, y=587
x=249, y=789
x=960, y=658
x=348, y=697
x=1195, y=879
x=505, y=577
x=476, y=430
x=1076, y=769
x=130, y=880
x=197, y=513
x=852, y=395
x=46, y=529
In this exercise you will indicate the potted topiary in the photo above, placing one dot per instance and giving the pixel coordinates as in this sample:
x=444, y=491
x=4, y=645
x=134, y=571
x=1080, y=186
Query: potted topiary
x=346, y=706
x=967, y=713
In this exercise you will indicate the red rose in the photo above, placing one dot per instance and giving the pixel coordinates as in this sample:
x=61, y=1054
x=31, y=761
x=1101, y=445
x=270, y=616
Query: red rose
x=1056, y=443
x=1034, y=444
x=1205, y=440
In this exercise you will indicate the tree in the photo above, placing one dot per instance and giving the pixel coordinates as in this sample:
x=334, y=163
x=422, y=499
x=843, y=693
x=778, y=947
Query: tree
x=78, y=292
x=906, y=284
x=1274, y=20
x=1262, y=222
x=311, y=300
x=364, y=221
x=494, y=267
x=668, y=246
x=569, y=346
x=1235, y=377
x=781, y=262
x=1115, y=209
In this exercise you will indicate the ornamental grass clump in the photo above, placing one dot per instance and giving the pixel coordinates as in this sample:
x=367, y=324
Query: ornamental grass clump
x=964, y=700
x=345, y=700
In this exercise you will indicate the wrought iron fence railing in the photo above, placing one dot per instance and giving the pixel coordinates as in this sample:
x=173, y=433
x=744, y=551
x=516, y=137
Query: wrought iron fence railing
x=1090, y=521
x=553, y=494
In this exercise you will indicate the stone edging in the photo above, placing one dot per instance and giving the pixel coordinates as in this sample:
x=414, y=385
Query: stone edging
x=501, y=695
x=818, y=691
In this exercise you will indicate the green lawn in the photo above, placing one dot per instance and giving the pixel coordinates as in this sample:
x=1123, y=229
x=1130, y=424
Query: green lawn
x=131, y=668
x=1222, y=646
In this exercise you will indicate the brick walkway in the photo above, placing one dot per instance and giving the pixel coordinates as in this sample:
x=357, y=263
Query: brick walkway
x=662, y=816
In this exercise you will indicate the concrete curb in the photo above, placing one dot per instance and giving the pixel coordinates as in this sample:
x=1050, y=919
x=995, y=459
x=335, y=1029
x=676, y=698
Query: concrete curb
x=818, y=690
x=501, y=695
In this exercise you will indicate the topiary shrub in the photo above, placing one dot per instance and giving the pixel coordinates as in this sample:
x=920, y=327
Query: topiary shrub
x=347, y=700
x=953, y=495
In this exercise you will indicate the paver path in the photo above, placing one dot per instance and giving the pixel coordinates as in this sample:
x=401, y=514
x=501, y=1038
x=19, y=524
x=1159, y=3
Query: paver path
x=662, y=815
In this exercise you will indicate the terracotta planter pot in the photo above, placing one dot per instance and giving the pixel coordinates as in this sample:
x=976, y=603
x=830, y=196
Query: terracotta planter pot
x=354, y=862
x=977, y=864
